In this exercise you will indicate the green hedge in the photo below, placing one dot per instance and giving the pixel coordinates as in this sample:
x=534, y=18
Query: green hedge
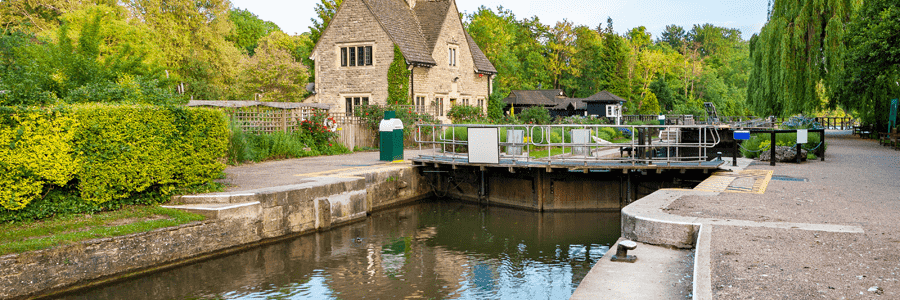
x=106, y=153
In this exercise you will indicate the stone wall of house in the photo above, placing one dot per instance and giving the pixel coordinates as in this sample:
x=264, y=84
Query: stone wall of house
x=358, y=27
x=438, y=81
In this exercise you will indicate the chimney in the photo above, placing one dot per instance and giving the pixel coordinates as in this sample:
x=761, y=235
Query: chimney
x=412, y=4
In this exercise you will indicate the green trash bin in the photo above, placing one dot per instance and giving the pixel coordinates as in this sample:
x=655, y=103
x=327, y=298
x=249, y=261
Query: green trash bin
x=662, y=119
x=391, y=132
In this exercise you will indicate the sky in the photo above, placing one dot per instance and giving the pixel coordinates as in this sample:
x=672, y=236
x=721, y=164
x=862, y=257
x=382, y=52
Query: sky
x=293, y=16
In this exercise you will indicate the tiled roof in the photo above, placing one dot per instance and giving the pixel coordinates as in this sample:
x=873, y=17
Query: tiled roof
x=482, y=64
x=416, y=31
x=604, y=96
x=535, y=97
x=574, y=102
x=431, y=16
x=403, y=27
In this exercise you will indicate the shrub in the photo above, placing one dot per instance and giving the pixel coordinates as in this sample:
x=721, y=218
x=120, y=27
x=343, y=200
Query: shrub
x=35, y=150
x=106, y=153
x=760, y=142
x=128, y=149
x=535, y=115
x=465, y=114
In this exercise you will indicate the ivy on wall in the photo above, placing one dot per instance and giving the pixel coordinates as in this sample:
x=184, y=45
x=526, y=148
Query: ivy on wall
x=398, y=80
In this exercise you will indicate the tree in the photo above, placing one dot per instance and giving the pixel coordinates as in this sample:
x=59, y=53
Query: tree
x=97, y=56
x=36, y=16
x=272, y=74
x=561, y=48
x=587, y=80
x=325, y=10
x=664, y=95
x=614, y=61
x=799, y=48
x=871, y=67
x=248, y=29
x=513, y=47
x=673, y=36
x=191, y=39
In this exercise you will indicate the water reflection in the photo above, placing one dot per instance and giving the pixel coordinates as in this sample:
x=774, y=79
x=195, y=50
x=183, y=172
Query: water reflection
x=434, y=250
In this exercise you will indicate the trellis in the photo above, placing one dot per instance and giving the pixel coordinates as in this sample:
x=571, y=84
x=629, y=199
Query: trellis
x=268, y=117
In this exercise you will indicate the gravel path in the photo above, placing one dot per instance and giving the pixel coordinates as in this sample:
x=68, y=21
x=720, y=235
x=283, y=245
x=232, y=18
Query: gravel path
x=858, y=184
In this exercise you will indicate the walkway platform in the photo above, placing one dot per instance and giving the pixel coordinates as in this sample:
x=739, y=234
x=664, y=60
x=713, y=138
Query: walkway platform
x=815, y=230
x=586, y=164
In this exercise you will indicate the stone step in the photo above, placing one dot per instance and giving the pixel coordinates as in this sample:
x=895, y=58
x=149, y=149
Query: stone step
x=220, y=211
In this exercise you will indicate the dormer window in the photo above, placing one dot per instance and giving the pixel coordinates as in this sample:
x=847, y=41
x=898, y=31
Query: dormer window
x=358, y=56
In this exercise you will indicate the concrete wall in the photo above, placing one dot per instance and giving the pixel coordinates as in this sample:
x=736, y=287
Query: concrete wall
x=46, y=270
x=236, y=220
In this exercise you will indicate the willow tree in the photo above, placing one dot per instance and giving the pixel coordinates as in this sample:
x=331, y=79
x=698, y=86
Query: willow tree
x=800, y=48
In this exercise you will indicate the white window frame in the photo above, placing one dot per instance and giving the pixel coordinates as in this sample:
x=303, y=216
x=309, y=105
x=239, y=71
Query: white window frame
x=613, y=110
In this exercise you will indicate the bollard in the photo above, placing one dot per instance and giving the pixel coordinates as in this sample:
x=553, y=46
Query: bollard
x=772, y=146
x=622, y=252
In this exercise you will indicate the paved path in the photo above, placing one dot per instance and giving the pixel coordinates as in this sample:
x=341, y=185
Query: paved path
x=297, y=171
x=858, y=186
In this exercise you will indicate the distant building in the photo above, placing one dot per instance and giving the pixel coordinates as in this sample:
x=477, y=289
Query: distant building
x=519, y=100
x=356, y=49
x=602, y=104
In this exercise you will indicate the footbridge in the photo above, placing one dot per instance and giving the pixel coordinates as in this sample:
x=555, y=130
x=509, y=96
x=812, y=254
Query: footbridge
x=565, y=167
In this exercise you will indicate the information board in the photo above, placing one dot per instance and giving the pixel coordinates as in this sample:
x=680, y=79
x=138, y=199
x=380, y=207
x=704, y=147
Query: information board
x=484, y=145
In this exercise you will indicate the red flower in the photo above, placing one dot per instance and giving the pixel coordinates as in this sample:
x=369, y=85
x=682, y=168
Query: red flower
x=329, y=145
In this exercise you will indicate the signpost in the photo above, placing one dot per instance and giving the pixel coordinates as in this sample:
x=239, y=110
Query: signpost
x=893, y=120
x=739, y=135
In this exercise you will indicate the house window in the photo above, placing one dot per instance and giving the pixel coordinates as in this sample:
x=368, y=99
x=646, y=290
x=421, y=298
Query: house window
x=420, y=104
x=352, y=102
x=452, y=57
x=481, y=103
x=439, y=106
x=356, y=56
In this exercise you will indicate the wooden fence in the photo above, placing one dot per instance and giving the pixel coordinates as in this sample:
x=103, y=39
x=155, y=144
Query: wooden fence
x=269, y=117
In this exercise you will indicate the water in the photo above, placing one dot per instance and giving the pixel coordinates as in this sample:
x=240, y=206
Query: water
x=435, y=250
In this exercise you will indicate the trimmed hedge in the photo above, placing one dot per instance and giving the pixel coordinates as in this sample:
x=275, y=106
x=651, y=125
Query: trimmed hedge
x=108, y=153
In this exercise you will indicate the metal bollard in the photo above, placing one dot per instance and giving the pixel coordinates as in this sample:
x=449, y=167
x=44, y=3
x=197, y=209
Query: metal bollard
x=622, y=252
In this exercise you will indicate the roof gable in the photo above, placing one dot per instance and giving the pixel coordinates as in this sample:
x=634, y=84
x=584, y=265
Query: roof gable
x=403, y=27
x=431, y=16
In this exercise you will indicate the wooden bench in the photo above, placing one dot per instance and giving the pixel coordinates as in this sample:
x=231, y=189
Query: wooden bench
x=863, y=131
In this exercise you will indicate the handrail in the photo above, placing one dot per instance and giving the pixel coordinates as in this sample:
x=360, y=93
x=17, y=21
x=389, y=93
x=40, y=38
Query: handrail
x=549, y=144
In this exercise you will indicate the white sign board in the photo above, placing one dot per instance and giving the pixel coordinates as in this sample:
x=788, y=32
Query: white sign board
x=484, y=146
x=802, y=136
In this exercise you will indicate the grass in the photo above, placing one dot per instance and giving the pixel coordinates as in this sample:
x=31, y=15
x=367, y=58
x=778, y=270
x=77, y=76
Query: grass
x=542, y=153
x=69, y=229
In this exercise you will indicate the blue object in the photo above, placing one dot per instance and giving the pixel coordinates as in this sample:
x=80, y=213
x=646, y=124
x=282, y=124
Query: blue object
x=742, y=135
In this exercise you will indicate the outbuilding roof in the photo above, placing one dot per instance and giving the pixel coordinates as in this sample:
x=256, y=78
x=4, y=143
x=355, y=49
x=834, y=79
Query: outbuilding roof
x=535, y=97
x=604, y=96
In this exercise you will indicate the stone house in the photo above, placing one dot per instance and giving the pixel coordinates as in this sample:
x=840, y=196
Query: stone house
x=356, y=49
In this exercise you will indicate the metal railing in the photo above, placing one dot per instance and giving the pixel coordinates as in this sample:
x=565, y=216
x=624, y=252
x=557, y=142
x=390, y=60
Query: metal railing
x=574, y=144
